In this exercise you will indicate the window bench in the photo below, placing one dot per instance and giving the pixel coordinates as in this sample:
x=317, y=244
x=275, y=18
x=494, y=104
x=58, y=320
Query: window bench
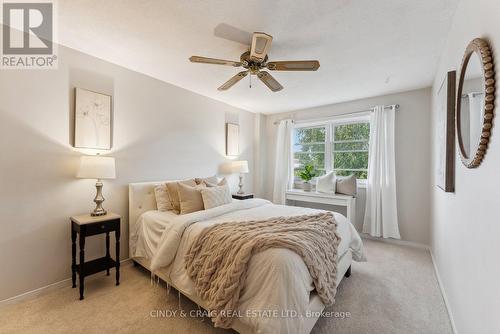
x=324, y=198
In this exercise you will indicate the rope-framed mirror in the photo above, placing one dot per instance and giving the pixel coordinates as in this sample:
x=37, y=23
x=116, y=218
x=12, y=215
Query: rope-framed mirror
x=475, y=102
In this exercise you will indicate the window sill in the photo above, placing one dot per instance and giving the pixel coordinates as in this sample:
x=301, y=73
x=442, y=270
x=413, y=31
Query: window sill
x=359, y=183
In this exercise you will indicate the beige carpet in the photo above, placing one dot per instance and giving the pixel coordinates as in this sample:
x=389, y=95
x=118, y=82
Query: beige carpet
x=395, y=292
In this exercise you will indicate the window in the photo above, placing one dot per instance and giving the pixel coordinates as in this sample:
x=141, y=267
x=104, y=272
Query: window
x=309, y=148
x=339, y=145
x=350, y=148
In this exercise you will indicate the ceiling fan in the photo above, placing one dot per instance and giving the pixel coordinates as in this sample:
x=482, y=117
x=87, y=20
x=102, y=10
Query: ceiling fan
x=255, y=61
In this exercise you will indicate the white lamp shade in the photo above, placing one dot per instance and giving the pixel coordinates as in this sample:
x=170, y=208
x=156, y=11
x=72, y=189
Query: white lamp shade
x=239, y=166
x=96, y=167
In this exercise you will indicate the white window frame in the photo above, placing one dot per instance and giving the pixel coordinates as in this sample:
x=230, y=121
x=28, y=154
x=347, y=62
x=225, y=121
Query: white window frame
x=329, y=125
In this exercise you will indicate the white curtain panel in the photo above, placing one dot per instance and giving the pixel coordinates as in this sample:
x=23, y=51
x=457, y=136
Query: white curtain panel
x=283, y=172
x=381, y=215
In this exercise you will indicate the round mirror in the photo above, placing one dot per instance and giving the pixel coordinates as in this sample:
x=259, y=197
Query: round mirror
x=475, y=102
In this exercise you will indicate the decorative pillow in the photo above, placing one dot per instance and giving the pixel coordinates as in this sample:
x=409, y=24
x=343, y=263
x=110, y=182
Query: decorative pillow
x=326, y=183
x=162, y=198
x=190, y=198
x=173, y=192
x=215, y=196
x=222, y=182
x=212, y=180
x=347, y=185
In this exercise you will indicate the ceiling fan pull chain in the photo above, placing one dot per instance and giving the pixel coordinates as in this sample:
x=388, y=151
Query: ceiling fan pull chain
x=250, y=81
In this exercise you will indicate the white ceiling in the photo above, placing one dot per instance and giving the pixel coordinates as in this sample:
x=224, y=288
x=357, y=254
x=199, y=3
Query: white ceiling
x=365, y=47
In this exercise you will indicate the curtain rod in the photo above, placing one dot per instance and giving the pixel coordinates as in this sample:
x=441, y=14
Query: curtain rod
x=395, y=106
x=472, y=93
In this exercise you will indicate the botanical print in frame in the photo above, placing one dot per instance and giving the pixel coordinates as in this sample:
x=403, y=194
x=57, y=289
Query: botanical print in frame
x=232, y=139
x=445, y=134
x=92, y=120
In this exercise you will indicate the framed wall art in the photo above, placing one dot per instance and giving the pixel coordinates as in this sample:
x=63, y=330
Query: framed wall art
x=92, y=120
x=232, y=139
x=445, y=132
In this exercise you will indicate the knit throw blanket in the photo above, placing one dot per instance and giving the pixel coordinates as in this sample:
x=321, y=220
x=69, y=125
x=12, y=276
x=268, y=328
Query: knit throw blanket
x=218, y=259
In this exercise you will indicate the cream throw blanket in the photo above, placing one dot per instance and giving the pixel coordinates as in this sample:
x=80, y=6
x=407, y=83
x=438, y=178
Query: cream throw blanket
x=217, y=261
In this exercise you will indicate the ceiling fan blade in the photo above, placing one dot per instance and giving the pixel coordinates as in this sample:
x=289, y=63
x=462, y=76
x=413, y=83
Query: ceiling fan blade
x=269, y=81
x=261, y=43
x=296, y=65
x=231, y=82
x=229, y=32
x=206, y=60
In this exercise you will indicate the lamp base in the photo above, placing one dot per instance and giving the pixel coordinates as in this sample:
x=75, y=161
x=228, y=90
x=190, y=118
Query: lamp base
x=98, y=200
x=240, y=186
x=97, y=213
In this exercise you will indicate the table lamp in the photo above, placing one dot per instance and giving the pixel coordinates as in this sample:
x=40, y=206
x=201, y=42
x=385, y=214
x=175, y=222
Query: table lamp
x=242, y=168
x=97, y=167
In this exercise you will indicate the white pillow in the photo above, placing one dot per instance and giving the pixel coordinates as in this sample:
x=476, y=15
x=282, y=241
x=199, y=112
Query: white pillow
x=222, y=182
x=215, y=196
x=326, y=183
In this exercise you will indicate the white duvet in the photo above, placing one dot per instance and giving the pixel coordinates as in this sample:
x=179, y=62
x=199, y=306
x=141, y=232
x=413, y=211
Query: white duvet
x=277, y=279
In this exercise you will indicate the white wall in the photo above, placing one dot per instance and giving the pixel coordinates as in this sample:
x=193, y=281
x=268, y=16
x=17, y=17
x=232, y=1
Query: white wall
x=160, y=132
x=260, y=150
x=412, y=156
x=465, y=228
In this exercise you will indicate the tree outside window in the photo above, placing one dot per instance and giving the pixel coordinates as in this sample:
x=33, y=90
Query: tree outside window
x=350, y=149
x=309, y=148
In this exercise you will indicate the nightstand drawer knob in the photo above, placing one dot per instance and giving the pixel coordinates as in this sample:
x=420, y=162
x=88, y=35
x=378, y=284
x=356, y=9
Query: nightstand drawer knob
x=103, y=226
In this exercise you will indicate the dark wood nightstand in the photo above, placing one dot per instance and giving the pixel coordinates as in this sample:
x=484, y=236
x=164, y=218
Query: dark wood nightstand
x=85, y=226
x=243, y=196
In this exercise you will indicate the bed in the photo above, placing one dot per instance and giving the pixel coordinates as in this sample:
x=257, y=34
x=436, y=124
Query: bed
x=156, y=241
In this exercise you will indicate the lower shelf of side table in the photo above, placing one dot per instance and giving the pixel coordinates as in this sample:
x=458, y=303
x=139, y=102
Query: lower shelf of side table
x=95, y=266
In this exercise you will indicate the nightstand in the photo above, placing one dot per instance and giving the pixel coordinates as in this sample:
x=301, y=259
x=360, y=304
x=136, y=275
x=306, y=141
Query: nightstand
x=242, y=196
x=86, y=226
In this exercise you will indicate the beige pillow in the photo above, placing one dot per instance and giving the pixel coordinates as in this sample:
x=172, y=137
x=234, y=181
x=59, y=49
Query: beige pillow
x=212, y=180
x=215, y=196
x=162, y=198
x=347, y=185
x=190, y=198
x=222, y=182
x=173, y=193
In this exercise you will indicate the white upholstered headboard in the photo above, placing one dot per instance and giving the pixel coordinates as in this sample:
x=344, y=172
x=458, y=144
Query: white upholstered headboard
x=141, y=198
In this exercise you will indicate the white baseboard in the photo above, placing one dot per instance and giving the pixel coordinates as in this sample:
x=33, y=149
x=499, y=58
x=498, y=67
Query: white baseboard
x=395, y=241
x=443, y=293
x=48, y=288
